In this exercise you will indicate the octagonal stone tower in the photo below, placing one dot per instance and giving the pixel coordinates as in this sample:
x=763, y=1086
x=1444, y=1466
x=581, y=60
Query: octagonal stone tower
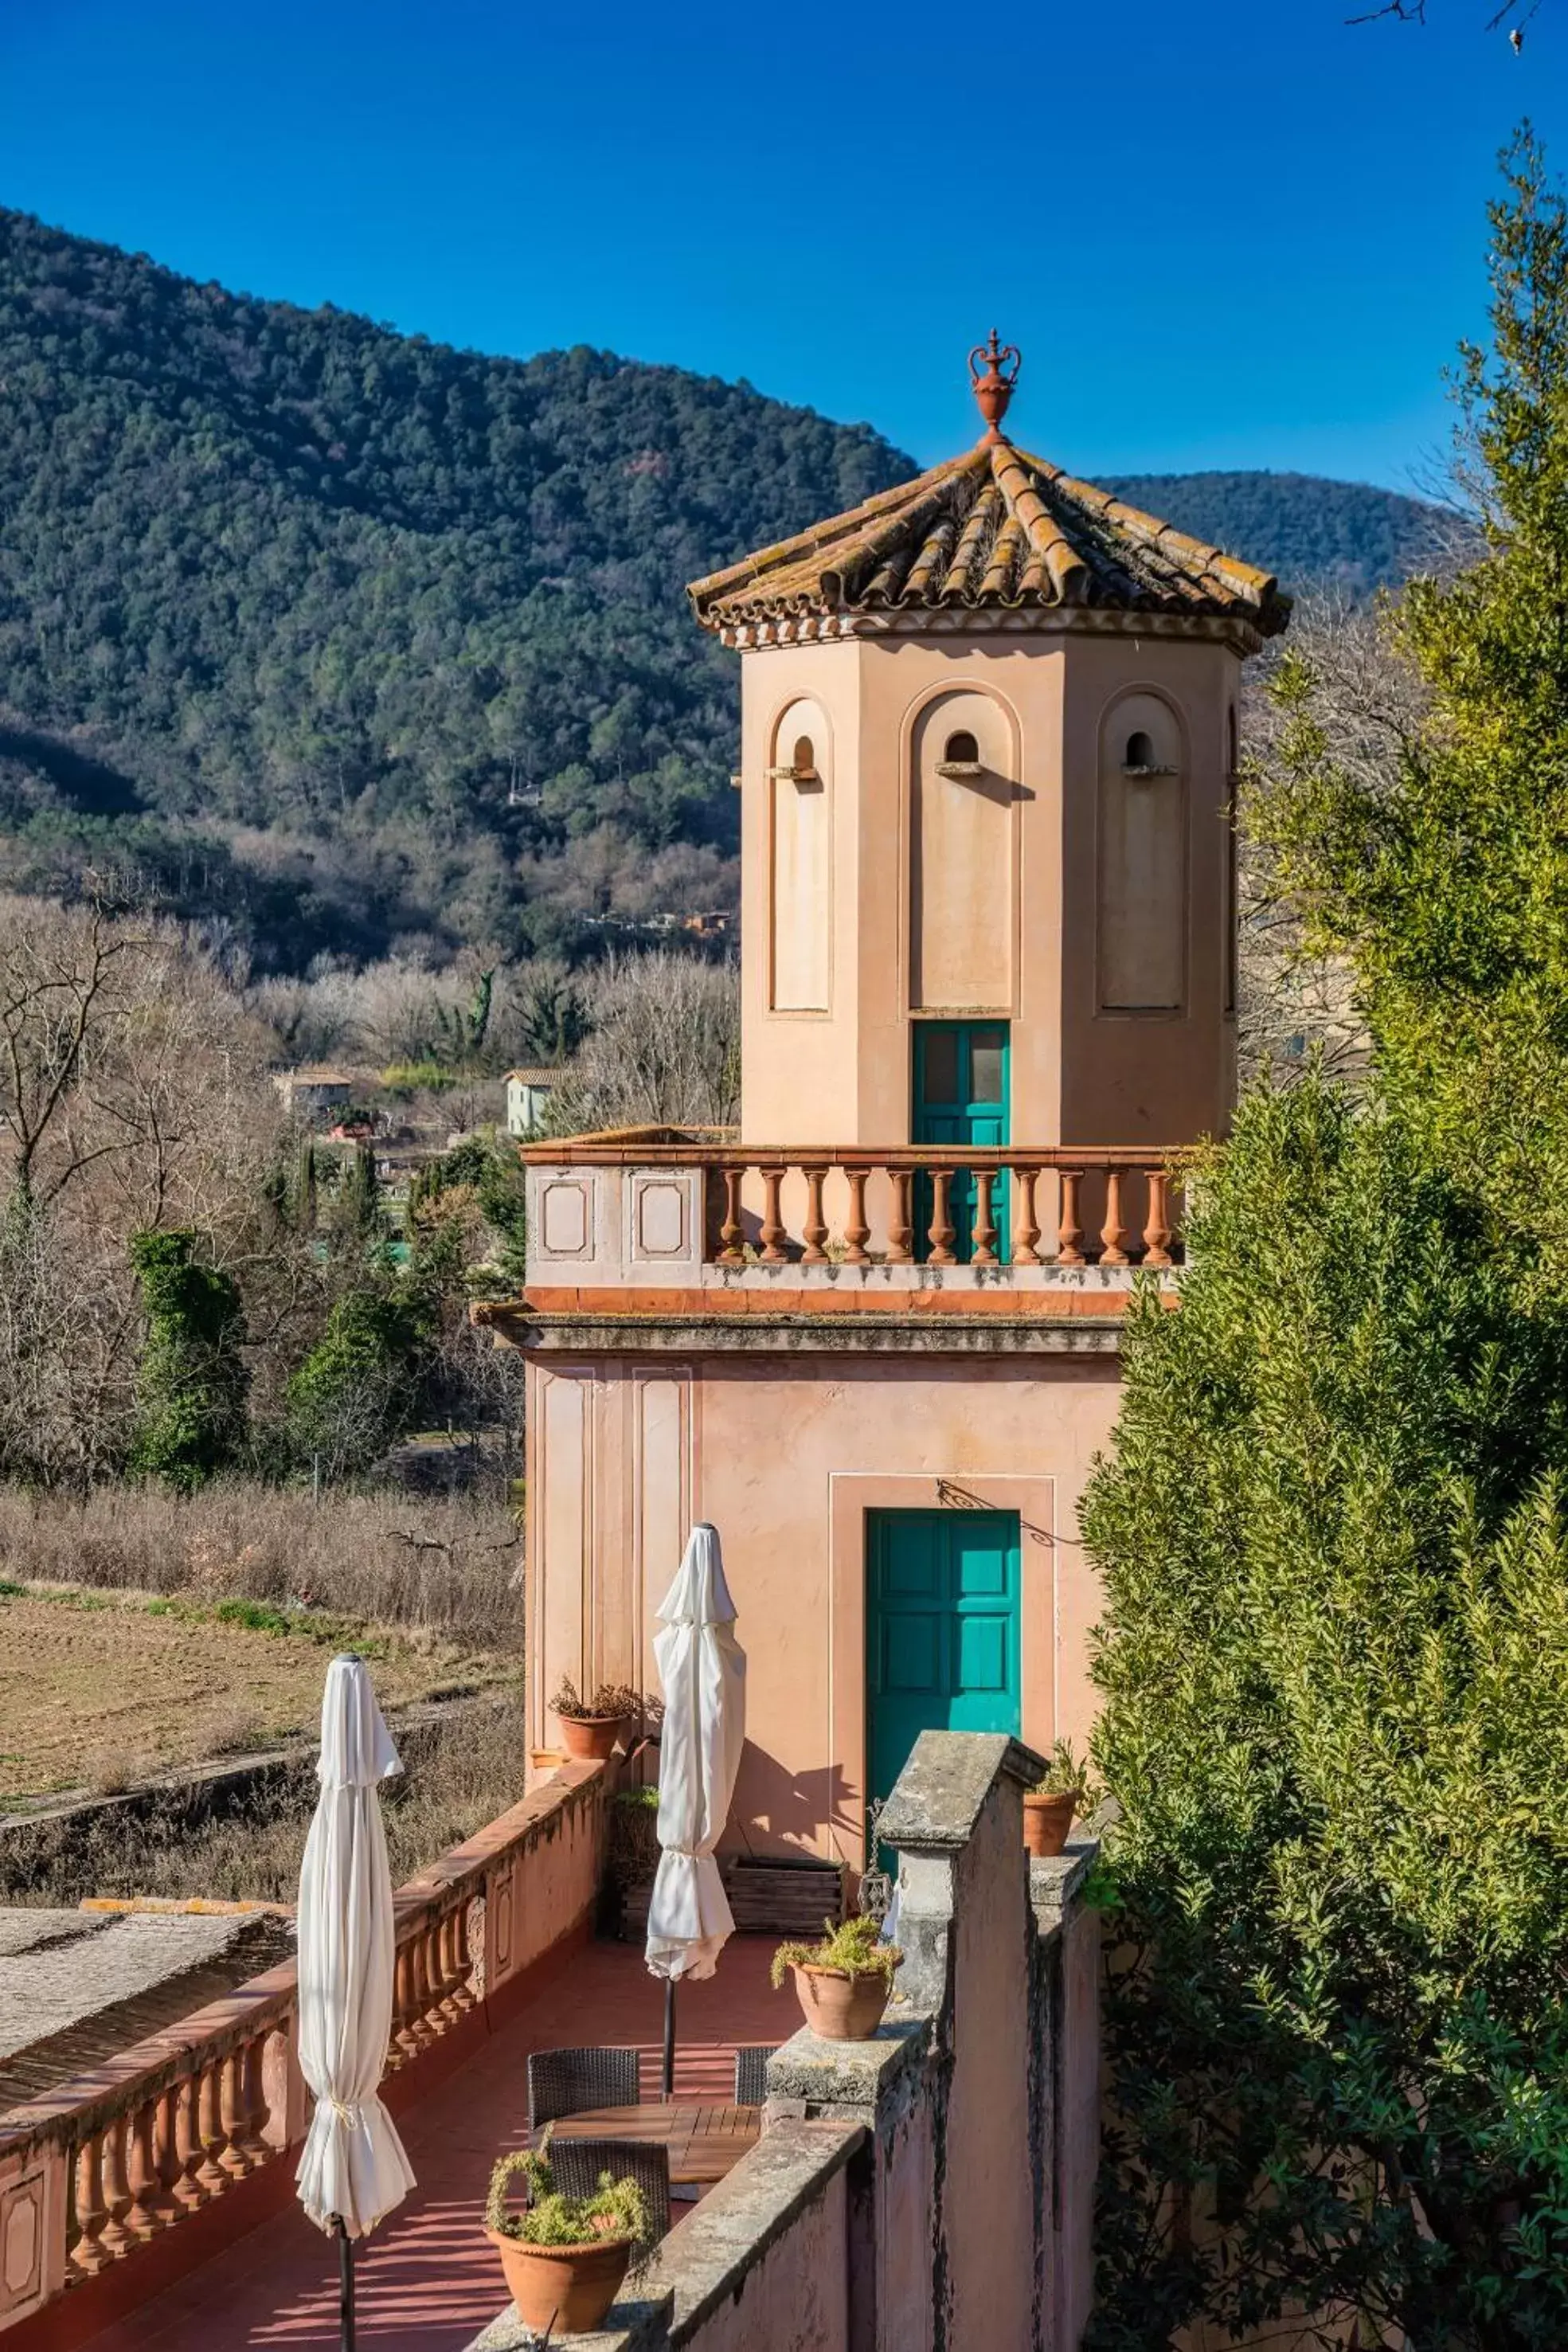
x=987, y=758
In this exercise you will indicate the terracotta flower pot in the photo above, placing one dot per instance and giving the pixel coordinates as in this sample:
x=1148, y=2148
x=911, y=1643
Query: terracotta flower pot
x=841, y=2007
x=591, y=1738
x=1046, y=1820
x=570, y=2287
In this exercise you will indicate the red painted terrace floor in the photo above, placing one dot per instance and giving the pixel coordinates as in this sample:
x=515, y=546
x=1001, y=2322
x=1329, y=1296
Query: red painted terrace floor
x=427, y=2280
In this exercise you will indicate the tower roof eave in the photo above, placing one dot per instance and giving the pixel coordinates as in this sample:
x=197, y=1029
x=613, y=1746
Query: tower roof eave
x=994, y=530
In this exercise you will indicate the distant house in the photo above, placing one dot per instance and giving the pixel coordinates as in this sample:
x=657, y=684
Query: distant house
x=311, y=1091
x=528, y=1091
x=716, y=925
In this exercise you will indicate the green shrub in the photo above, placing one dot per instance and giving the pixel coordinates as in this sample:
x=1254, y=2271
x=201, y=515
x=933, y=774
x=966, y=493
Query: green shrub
x=1335, y=1665
x=192, y=1381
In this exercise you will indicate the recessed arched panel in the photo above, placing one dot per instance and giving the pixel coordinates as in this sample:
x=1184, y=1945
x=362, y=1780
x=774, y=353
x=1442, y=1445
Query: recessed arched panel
x=963, y=860
x=1143, y=887
x=801, y=815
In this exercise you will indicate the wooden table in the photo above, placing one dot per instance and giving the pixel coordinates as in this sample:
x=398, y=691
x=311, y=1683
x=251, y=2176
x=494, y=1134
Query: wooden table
x=704, y=2141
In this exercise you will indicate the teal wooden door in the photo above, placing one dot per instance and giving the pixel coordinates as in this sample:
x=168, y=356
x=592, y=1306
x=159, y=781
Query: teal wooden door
x=942, y=1631
x=961, y=1096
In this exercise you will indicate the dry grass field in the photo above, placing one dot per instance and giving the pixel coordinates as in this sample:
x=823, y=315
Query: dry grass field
x=140, y=1631
x=100, y=1690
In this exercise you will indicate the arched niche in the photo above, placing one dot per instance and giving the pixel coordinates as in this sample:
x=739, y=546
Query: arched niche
x=1141, y=931
x=964, y=789
x=800, y=845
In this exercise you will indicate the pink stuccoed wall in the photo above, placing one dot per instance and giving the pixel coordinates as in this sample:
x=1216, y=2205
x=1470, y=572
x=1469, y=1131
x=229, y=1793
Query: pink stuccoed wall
x=797, y=2297
x=786, y=1455
x=1015, y=927
x=989, y=2190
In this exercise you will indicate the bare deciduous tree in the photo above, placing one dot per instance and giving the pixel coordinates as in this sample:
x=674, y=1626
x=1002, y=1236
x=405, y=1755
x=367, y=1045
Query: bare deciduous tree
x=664, y=1048
x=134, y=1095
x=1366, y=708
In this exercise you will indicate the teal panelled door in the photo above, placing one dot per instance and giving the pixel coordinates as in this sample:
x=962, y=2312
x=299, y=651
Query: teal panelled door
x=941, y=1630
x=961, y=1096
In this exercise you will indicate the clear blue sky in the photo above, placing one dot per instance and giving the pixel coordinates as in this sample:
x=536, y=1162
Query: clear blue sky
x=1223, y=235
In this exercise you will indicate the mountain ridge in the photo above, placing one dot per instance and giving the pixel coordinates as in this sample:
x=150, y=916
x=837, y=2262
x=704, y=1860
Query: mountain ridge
x=336, y=638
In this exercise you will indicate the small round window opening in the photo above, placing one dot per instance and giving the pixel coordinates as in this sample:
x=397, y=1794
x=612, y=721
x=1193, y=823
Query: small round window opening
x=804, y=763
x=1140, y=752
x=962, y=751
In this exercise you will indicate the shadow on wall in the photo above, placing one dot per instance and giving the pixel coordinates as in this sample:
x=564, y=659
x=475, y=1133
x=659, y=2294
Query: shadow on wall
x=779, y=1803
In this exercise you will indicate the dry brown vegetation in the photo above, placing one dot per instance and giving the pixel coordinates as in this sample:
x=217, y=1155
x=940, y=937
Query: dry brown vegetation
x=100, y=1692
x=459, y=1773
x=449, y=1565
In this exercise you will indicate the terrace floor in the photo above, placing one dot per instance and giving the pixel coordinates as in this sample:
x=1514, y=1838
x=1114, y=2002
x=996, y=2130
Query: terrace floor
x=428, y=2281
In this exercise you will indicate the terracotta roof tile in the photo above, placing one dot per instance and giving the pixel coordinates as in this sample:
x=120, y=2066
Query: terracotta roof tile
x=998, y=530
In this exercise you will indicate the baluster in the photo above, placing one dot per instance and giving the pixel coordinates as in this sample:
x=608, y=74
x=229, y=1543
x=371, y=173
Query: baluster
x=942, y=1226
x=210, y=2173
x=448, y=1974
x=189, y=2192
x=900, y=1232
x=254, y=2107
x=231, y=2111
x=1158, y=1232
x=89, y=2255
x=143, y=2218
x=462, y=1946
x=166, y=2151
x=419, y=1989
x=773, y=1232
x=434, y=2022
x=814, y=1231
x=984, y=1251
x=1070, y=1233
x=114, y=2237
x=857, y=1232
x=732, y=1232
x=404, y=2045
x=1026, y=1230
x=1112, y=1233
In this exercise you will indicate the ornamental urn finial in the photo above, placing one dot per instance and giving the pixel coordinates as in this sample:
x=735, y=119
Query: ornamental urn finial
x=993, y=388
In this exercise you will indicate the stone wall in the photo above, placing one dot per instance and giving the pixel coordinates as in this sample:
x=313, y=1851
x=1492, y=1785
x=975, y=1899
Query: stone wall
x=930, y=2189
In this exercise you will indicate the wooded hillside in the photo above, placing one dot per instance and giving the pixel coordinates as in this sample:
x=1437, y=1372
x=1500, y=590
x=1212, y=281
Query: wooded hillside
x=339, y=638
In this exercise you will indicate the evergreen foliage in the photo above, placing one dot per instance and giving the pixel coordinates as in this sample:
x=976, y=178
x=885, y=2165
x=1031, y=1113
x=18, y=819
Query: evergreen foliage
x=1336, y=1674
x=1440, y=873
x=1335, y=1650
x=192, y=1381
x=359, y=1387
x=482, y=1171
x=417, y=611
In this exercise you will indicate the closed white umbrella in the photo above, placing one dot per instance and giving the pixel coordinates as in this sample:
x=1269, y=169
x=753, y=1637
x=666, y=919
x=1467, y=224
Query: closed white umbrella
x=354, y=2169
x=703, y=1670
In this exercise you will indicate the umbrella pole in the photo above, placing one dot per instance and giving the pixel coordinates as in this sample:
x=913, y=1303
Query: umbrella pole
x=345, y=2286
x=669, y=2078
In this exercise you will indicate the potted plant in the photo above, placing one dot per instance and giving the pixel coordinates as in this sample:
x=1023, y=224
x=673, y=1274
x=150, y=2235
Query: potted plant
x=590, y=1727
x=1048, y=1807
x=843, y=1983
x=563, y=2257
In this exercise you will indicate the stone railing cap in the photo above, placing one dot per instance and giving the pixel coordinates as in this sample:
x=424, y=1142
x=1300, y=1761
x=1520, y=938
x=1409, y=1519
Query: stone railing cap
x=938, y=1795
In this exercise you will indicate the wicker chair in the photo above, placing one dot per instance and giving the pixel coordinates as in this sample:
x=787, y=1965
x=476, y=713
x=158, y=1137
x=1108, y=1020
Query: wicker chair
x=576, y=2164
x=566, y=2082
x=751, y=2076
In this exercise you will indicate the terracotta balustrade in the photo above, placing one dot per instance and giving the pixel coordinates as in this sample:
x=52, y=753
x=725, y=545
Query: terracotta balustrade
x=935, y=1206
x=939, y=1205
x=185, y=2116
